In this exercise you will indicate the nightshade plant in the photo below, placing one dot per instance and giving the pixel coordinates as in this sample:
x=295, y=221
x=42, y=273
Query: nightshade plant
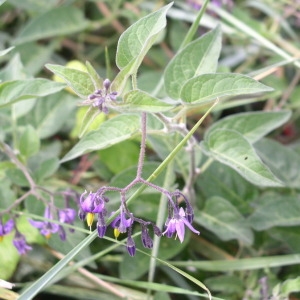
x=160, y=117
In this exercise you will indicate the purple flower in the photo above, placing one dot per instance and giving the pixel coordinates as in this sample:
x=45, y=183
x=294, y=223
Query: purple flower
x=177, y=223
x=91, y=205
x=121, y=223
x=6, y=228
x=46, y=227
x=19, y=242
x=67, y=216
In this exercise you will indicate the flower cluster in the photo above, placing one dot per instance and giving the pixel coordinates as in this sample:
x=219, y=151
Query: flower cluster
x=102, y=97
x=47, y=227
x=92, y=204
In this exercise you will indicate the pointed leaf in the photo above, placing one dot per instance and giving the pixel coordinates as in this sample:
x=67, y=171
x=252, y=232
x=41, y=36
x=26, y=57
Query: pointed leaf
x=139, y=37
x=276, y=210
x=224, y=220
x=97, y=80
x=79, y=81
x=55, y=22
x=5, y=51
x=88, y=118
x=231, y=148
x=206, y=88
x=138, y=100
x=17, y=90
x=109, y=133
x=283, y=161
x=253, y=125
x=198, y=57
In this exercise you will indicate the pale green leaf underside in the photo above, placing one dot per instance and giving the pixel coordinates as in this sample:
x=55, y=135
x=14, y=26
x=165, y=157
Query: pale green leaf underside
x=231, y=148
x=198, y=57
x=252, y=125
x=208, y=87
x=111, y=132
x=138, y=100
x=80, y=82
x=55, y=22
x=275, y=210
x=224, y=220
x=5, y=51
x=17, y=90
x=139, y=37
x=283, y=161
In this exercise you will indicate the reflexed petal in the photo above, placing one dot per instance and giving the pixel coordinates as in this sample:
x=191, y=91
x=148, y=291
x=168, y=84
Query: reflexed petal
x=188, y=224
x=37, y=224
x=180, y=230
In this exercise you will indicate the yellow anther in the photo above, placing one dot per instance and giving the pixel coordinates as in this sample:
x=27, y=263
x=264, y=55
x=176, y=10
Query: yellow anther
x=116, y=232
x=90, y=219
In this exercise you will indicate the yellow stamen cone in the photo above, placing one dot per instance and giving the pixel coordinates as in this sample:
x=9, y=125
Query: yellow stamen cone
x=116, y=232
x=90, y=219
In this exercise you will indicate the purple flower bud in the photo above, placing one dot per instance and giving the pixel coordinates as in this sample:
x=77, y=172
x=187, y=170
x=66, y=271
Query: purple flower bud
x=130, y=246
x=101, y=225
x=156, y=230
x=19, y=242
x=81, y=215
x=92, y=97
x=146, y=239
x=106, y=83
x=62, y=233
x=113, y=96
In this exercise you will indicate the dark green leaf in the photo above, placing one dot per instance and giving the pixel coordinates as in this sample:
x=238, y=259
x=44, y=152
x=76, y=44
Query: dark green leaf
x=224, y=220
x=282, y=161
x=275, y=210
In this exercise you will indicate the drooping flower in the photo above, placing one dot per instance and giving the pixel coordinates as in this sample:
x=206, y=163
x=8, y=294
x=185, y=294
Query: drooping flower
x=6, y=228
x=120, y=223
x=46, y=227
x=177, y=224
x=67, y=216
x=101, y=225
x=146, y=239
x=91, y=205
x=19, y=242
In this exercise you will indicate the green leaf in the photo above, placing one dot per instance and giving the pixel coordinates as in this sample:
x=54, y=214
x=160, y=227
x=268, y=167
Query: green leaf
x=275, y=210
x=208, y=87
x=97, y=80
x=221, y=180
x=88, y=119
x=252, y=125
x=17, y=90
x=5, y=51
x=283, y=161
x=80, y=82
x=29, y=142
x=115, y=162
x=290, y=285
x=139, y=37
x=113, y=131
x=63, y=20
x=231, y=148
x=198, y=57
x=224, y=220
x=137, y=100
x=52, y=112
x=47, y=168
